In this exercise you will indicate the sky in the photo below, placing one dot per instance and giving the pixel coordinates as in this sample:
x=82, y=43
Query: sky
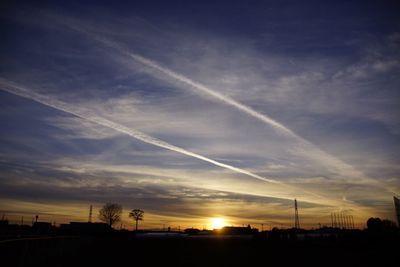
x=193, y=110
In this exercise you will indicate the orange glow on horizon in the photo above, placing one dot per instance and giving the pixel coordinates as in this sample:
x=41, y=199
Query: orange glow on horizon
x=217, y=223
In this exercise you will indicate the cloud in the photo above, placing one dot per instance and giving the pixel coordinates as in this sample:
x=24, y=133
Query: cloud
x=80, y=128
x=305, y=147
x=342, y=99
x=312, y=151
x=365, y=70
x=172, y=201
x=20, y=91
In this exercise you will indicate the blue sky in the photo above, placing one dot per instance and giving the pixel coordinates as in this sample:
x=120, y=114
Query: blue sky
x=198, y=110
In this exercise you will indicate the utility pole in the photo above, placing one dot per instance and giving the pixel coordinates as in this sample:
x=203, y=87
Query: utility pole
x=90, y=213
x=397, y=209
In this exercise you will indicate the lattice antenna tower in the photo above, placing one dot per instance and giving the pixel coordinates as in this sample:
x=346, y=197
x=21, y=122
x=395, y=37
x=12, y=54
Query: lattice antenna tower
x=296, y=216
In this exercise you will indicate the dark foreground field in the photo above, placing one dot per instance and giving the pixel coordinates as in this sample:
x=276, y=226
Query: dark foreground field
x=198, y=251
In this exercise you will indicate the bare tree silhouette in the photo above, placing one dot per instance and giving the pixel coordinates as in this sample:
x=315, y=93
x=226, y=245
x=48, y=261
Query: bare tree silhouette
x=110, y=213
x=137, y=215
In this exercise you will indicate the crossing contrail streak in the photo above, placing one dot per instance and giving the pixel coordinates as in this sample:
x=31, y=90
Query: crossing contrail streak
x=309, y=149
x=306, y=148
x=21, y=91
x=15, y=89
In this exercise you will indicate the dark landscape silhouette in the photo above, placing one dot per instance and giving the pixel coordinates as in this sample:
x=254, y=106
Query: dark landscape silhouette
x=98, y=243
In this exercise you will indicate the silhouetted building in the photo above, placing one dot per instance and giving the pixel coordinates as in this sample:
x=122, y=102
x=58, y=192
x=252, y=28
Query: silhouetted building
x=397, y=208
x=192, y=231
x=43, y=227
x=3, y=227
x=3, y=223
x=232, y=230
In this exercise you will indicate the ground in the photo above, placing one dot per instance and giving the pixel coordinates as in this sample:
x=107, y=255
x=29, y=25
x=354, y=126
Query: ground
x=197, y=251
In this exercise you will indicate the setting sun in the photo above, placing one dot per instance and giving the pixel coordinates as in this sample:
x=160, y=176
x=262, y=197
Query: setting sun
x=217, y=223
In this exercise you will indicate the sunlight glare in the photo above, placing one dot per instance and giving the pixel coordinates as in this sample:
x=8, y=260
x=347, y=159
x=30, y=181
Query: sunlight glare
x=217, y=223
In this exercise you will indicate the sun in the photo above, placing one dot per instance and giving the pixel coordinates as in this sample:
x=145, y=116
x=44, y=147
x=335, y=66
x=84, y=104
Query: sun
x=217, y=223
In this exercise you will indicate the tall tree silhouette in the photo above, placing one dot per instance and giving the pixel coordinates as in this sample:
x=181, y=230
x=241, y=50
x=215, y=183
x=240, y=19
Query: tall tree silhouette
x=110, y=213
x=137, y=215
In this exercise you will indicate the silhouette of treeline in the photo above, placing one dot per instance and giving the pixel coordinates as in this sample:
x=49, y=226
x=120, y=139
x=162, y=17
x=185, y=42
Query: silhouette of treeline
x=375, y=226
x=110, y=214
x=98, y=243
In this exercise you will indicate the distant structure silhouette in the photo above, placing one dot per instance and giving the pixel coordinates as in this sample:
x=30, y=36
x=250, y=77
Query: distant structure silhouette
x=296, y=216
x=342, y=221
x=90, y=213
x=397, y=208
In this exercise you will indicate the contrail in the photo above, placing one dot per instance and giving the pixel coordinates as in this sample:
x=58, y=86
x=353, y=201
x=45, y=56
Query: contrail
x=308, y=149
x=21, y=91
x=264, y=118
x=312, y=151
x=15, y=89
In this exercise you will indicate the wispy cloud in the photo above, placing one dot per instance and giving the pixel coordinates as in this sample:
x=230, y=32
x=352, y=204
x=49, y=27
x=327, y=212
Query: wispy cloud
x=328, y=110
x=86, y=115
x=303, y=146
